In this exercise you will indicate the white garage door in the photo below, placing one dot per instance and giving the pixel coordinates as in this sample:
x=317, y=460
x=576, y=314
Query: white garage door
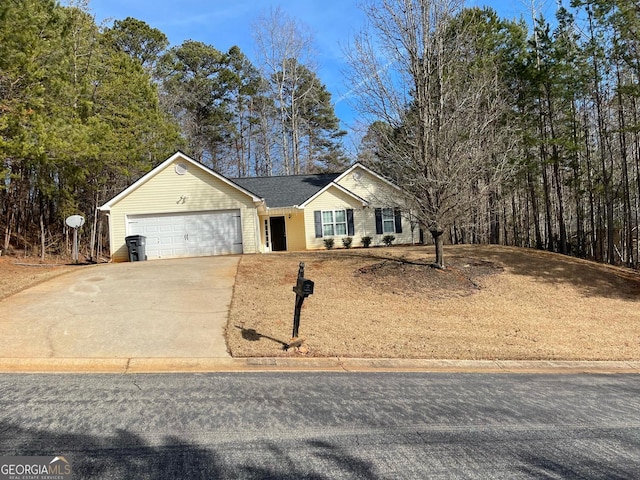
x=189, y=234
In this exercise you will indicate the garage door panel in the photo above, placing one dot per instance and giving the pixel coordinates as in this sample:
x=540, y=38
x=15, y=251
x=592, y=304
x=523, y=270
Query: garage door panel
x=190, y=234
x=164, y=241
x=165, y=220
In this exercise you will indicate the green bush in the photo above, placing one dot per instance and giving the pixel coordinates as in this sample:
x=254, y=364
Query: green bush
x=388, y=240
x=366, y=241
x=346, y=241
x=328, y=243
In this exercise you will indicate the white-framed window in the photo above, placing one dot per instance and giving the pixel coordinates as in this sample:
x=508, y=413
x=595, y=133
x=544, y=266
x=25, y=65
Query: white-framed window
x=388, y=221
x=334, y=223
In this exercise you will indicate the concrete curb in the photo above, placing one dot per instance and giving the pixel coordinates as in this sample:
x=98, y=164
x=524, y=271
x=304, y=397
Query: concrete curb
x=289, y=364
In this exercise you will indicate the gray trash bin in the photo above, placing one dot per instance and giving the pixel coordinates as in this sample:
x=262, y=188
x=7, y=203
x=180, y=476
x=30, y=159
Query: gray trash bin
x=135, y=245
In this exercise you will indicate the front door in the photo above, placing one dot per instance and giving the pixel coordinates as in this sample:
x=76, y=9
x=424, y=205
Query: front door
x=278, y=234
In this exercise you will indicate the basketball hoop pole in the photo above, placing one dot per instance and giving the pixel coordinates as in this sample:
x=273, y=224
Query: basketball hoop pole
x=75, y=222
x=75, y=245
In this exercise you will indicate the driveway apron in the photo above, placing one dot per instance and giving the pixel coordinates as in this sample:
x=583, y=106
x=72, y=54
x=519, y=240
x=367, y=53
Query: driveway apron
x=154, y=309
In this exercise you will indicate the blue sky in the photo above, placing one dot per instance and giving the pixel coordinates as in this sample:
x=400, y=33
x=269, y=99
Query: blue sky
x=225, y=23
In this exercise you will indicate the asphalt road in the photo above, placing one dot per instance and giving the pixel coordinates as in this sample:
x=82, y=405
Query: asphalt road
x=327, y=425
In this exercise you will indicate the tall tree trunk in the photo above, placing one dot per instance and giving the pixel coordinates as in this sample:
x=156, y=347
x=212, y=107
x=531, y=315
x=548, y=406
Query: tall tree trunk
x=505, y=231
x=602, y=151
x=436, y=233
x=562, y=244
x=454, y=236
x=265, y=169
x=547, y=199
x=7, y=228
x=284, y=136
x=636, y=154
x=562, y=241
x=94, y=231
x=592, y=220
x=602, y=141
x=494, y=220
x=536, y=210
x=622, y=138
x=580, y=250
x=99, y=252
x=43, y=238
x=580, y=237
x=607, y=174
x=295, y=144
x=515, y=221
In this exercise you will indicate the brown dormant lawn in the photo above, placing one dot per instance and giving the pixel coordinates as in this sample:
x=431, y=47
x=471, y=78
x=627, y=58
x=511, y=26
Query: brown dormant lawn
x=19, y=273
x=492, y=302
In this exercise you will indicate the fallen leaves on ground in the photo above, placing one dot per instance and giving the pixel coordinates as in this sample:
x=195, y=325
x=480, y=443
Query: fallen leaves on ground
x=491, y=302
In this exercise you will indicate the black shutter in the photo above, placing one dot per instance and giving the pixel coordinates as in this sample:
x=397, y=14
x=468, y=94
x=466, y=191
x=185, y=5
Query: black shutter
x=317, y=217
x=350, y=226
x=378, y=221
x=398, y=219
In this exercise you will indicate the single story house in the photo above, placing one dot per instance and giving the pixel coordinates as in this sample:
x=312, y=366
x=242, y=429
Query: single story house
x=185, y=209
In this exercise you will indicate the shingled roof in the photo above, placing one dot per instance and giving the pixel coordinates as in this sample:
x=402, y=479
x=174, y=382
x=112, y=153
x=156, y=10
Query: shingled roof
x=286, y=191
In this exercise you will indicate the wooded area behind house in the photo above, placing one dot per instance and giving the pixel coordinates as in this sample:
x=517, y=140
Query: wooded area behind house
x=85, y=110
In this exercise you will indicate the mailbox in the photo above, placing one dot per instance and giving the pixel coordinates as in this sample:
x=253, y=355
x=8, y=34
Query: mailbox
x=304, y=287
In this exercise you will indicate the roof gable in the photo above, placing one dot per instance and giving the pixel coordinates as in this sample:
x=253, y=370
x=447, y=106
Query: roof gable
x=360, y=166
x=339, y=187
x=151, y=174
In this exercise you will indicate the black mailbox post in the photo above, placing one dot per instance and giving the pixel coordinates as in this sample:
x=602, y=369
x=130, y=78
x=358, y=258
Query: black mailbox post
x=303, y=288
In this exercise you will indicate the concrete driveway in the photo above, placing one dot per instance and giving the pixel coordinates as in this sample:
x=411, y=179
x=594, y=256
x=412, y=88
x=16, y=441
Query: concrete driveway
x=158, y=309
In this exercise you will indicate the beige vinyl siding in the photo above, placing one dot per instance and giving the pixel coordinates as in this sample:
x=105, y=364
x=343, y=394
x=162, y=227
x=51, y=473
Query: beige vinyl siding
x=296, y=239
x=379, y=194
x=162, y=194
x=332, y=199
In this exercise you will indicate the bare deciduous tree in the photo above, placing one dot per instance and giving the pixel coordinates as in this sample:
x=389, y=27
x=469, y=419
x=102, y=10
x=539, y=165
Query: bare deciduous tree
x=282, y=45
x=416, y=69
